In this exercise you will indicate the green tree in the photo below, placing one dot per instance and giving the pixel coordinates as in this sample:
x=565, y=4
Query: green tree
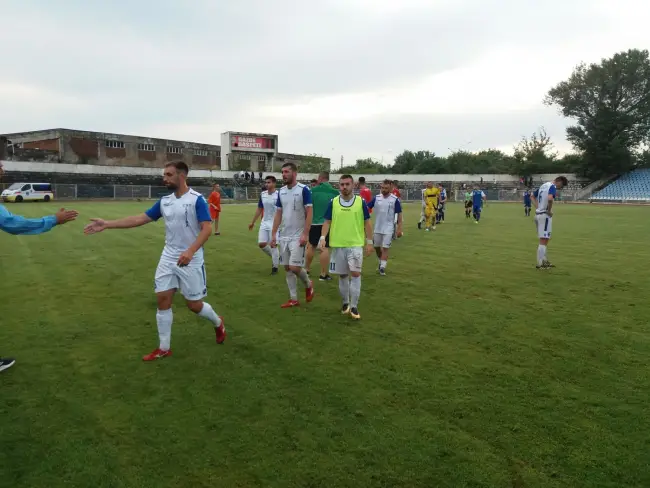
x=534, y=154
x=365, y=166
x=610, y=103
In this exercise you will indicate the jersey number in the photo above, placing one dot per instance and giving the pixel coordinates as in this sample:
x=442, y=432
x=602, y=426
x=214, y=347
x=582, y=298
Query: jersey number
x=332, y=266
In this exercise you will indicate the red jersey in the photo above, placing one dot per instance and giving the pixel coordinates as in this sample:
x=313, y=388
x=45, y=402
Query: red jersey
x=366, y=194
x=397, y=193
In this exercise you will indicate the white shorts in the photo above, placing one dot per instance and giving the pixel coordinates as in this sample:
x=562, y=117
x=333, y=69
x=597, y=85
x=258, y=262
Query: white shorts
x=189, y=280
x=382, y=240
x=343, y=260
x=544, y=226
x=264, y=234
x=292, y=253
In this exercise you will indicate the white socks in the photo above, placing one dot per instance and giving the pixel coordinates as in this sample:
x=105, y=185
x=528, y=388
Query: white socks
x=383, y=263
x=292, y=283
x=207, y=312
x=344, y=289
x=304, y=278
x=355, y=290
x=164, y=319
x=274, y=252
x=541, y=254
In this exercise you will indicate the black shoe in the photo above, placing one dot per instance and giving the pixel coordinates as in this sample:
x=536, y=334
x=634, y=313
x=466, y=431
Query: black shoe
x=6, y=363
x=382, y=272
x=274, y=271
x=345, y=309
x=325, y=278
x=419, y=225
x=354, y=313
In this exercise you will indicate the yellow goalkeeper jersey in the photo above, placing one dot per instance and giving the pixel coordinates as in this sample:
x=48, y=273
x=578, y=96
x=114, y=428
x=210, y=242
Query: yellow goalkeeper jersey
x=431, y=196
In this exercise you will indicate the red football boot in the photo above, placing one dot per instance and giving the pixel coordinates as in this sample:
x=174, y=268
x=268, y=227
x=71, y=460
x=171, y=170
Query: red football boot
x=157, y=354
x=290, y=304
x=220, y=332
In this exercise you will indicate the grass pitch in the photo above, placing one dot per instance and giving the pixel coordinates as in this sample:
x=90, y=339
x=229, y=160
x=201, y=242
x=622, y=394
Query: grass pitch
x=469, y=368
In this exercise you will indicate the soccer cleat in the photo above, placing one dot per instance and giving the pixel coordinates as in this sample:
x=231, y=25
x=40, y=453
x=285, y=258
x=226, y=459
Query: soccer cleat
x=220, y=332
x=290, y=303
x=309, y=293
x=325, y=278
x=345, y=309
x=419, y=225
x=274, y=270
x=354, y=313
x=157, y=354
x=382, y=272
x=6, y=363
x=548, y=264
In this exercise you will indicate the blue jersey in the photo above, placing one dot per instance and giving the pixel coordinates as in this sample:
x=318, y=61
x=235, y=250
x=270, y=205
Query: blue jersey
x=527, y=201
x=477, y=198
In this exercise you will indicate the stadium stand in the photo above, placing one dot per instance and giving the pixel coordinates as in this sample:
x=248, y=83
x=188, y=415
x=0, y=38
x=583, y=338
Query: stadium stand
x=634, y=186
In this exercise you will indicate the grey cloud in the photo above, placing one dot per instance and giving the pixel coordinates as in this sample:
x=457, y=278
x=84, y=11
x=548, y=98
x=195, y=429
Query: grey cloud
x=435, y=133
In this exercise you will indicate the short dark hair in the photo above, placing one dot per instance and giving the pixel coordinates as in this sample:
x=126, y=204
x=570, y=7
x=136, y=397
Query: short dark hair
x=395, y=182
x=324, y=175
x=291, y=165
x=361, y=179
x=314, y=180
x=563, y=180
x=346, y=177
x=271, y=177
x=387, y=182
x=180, y=166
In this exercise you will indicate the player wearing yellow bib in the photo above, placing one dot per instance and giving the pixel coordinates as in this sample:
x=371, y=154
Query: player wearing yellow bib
x=347, y=219
x=431, y=198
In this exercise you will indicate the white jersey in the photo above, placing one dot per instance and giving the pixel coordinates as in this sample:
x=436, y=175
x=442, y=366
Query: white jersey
x=385, y=211
x=542, y=194
x=267, y=203
x=183, y=217
x=293, y=202
x=443, y=195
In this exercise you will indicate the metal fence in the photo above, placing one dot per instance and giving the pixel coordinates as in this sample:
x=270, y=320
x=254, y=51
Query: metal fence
x=249, y=193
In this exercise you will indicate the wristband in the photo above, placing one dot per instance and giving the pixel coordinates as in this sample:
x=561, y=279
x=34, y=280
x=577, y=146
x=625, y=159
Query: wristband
x=368, y=241
x=322, y=238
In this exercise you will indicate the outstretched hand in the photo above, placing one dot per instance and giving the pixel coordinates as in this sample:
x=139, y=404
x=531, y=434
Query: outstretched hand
x=63, y=216
x=95, y=226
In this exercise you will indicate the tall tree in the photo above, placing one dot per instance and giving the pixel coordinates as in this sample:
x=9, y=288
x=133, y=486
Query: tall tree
x=610, y=103
x=534, y=154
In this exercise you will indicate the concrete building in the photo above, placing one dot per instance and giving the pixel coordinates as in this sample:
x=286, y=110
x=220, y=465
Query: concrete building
x=245, y=151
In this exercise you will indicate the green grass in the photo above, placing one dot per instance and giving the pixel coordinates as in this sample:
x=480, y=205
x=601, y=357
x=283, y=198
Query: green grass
x=469, y=368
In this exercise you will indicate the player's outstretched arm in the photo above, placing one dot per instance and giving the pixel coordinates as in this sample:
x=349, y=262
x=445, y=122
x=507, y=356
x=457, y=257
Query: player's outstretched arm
x=17, y=225
x=98, y=225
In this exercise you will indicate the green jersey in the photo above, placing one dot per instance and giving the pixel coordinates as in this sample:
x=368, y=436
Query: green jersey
x=321, y=196
x=468, y=196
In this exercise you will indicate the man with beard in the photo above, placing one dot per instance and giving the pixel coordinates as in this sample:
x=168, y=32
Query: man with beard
x=20, y=226
x=181, y=267
x=294, y=212
x=347, y=220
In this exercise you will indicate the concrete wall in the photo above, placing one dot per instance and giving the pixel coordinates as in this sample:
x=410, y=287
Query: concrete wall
x=203, y=173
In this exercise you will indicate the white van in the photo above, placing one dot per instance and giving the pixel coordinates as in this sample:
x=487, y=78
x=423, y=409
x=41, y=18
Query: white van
x=28, y=192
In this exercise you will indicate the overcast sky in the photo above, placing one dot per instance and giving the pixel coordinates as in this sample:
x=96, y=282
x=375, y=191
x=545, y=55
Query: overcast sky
x=352, y=78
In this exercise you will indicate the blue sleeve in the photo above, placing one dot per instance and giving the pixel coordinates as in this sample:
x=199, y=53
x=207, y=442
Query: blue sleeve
x=279, y=202
x=306, y=196
x=259, y=203
x=398, y=207
x=536, y=193
x=17, y=225
x=328, y=212
x=154, y=212
x=202, y=210
x=371, y=203
x=366, y=212
x=552, y=191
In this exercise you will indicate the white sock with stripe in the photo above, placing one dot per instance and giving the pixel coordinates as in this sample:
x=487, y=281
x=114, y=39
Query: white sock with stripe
x=164, y=320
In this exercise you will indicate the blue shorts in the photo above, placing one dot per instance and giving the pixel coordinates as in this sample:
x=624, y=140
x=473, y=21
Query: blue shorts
x=476, y=209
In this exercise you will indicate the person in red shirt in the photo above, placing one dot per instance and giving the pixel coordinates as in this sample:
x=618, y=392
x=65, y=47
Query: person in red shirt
x=364, y=191
x=214, y=202
x=395, y=190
